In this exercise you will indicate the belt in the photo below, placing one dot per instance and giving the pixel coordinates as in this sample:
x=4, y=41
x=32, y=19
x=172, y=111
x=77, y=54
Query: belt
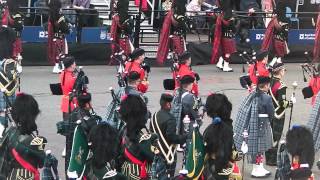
x=263, y=115
x=58, y=35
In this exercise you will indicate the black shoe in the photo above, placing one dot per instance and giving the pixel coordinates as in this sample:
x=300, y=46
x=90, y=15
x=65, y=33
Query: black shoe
x=318, y=164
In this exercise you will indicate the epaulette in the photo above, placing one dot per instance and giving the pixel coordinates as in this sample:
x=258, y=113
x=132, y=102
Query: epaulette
x=38, y=141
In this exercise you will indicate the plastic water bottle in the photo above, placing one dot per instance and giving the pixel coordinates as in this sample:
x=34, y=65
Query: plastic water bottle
x=186, y=123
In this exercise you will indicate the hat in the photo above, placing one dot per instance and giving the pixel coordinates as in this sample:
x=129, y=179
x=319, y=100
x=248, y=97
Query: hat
x=136, y=53
x=166, y=97
x=184, y=56
x=67, y=61
x=278, y=66
x=261, y=55
x=133, y=76
x=84, y=98
x=263, y=79
x=169, y=84
x=187, y=79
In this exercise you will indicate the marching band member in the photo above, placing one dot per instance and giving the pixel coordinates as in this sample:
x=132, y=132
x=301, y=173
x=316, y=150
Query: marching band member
x=121, y=30
x=254, y=115
x=276, y=35
x=218, y=138
x=224, y=35
x=58, y=28
x=278, y=93
x=259, y=68
x=300, y=146
x=137, y=64
x=173, y=32
x=221, y=153
x=103, y=144
x=12, y=18
x=88, y=121
x=164, y=125
x=67, y=79
x=25, y=147
x=137, y=142
x=184, y=68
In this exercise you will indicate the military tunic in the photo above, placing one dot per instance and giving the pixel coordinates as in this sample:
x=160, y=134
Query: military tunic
x=26, y=155
x=278, y=94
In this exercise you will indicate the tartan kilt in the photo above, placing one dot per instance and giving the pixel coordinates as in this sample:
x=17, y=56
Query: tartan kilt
x=17, y=47
x=177, y=44
x=125, y=45
x=132, y=171
x=3, y=103
x=280, y=48
x=247, y=118
x=314, y=122
x=228, y=46
x=58, y=48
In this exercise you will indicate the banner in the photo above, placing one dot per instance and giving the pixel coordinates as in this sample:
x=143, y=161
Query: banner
x=37, y=34
x=95, y=35
x=296, y=37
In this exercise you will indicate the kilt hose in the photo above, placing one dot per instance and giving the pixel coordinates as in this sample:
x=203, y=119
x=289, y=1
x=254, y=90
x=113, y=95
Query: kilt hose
x=277, y=129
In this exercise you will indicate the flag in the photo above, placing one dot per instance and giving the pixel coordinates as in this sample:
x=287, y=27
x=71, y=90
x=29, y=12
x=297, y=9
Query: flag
x=196, y=155
x=79, y=154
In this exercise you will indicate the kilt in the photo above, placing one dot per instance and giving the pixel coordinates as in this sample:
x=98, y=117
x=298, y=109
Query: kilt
x=314, y=123
x=228, y=46
x=177, y=44
x=125, y=45
x=280, y=48
x=3, y=102
x=17, y=47
x=58, y=48
x=260, y=138
x=160, y=169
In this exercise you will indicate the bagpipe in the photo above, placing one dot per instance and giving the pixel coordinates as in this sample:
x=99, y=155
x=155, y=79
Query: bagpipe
x=79, y=86
x=249, y=59
x=312, y=71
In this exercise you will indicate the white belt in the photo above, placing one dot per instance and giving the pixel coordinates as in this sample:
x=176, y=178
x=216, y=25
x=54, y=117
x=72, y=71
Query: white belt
x=263, y=115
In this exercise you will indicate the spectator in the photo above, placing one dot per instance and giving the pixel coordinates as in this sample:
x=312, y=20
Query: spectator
x=82, y=7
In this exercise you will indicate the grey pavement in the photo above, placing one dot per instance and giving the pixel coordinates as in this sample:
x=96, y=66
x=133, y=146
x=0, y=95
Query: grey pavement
x=35, y=81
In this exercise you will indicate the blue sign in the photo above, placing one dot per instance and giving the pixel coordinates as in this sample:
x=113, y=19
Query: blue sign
x=303, y=36
x=37, y=34
x=95, y=35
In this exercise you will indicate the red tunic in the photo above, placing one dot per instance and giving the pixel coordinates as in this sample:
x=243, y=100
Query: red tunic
x=261, y=70
x=183, y=71
x=315, y=85
x=67, y=79
x=135, y=66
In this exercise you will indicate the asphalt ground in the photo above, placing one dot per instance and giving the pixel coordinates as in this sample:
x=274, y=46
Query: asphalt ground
x=35, y=81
